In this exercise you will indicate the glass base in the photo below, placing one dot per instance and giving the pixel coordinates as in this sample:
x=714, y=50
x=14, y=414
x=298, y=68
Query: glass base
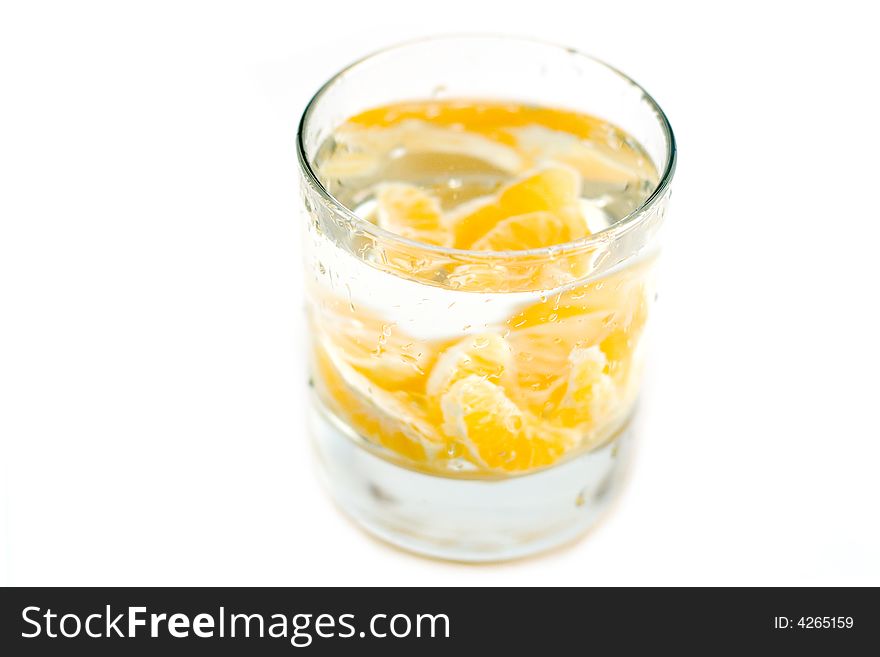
x=472, y=520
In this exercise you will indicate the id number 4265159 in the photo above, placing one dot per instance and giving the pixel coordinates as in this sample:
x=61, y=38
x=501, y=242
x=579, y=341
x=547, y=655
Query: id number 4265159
x=813, y=622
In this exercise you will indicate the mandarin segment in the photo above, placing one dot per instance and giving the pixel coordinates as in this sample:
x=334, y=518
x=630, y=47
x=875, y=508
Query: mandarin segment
x=411, y=212
x=614, y=301
x=350, y=164
x=622, y=341
x=560, y=342
x=495, y=431
x=378, y=350
x=554, y=189
x=532, y=230
x=589, y=391
x=587, y=158
x=493, y=120
x=486, y=355
x=394, y=420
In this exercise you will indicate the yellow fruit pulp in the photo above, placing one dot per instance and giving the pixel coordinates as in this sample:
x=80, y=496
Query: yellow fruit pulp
x=409, y=211
x=545, y=195
x=490, y=119
x=496, y=432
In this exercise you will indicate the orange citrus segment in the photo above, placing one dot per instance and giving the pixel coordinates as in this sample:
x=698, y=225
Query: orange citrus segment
x=626, y=330
x=485, y=355
x=349, y=164
x=412, y=213
x=553, y=189
x=392, y=419
x=379, y=350
x=494, y=120
x=533, y=230
x=605, y=315
x=589, y=391
x=587, y=158
x=614, y=301
x=495, y=431
x=539, y=362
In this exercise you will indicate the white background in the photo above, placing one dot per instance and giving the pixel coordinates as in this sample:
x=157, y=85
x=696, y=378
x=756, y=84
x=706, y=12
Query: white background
x=151, y=358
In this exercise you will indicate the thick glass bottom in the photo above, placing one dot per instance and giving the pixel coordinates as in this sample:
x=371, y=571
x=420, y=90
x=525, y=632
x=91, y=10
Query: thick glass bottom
x=472, y=520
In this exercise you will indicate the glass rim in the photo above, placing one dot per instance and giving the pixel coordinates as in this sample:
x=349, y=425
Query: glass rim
x=609, y=234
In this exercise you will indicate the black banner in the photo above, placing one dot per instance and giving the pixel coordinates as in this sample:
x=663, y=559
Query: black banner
x=332, y=621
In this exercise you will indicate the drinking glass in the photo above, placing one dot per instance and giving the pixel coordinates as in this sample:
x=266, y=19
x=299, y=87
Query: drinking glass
x=389, y=301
